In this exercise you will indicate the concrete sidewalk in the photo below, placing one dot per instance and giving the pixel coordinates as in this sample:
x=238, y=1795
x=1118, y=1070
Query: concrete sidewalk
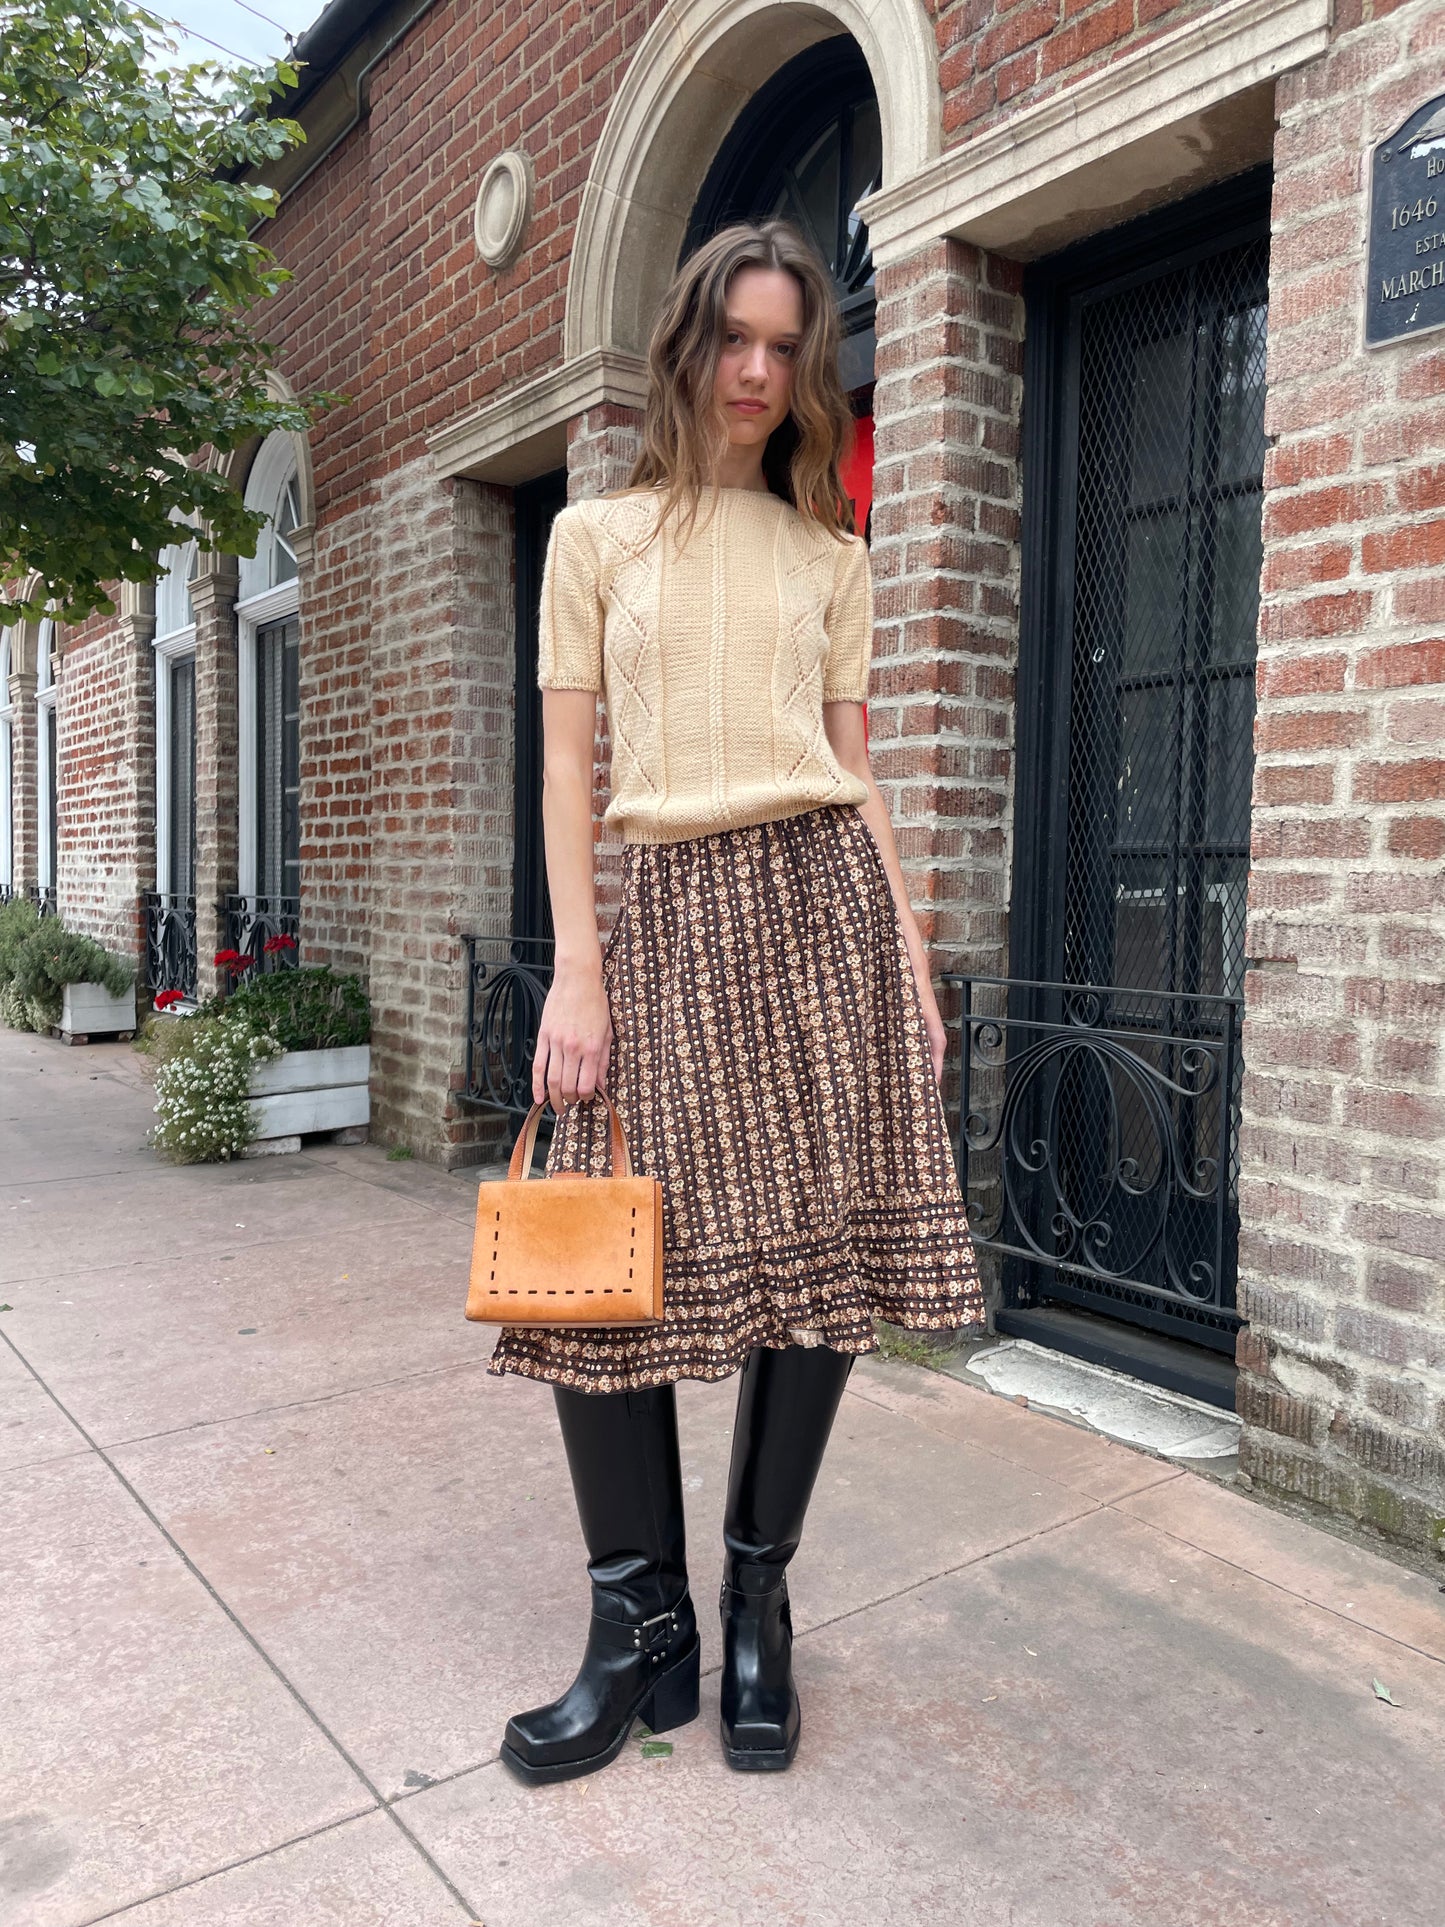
x=270, y=1595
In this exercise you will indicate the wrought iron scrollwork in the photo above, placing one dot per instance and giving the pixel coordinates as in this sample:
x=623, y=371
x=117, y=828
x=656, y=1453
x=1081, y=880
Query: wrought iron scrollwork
x=254, y=922
x=507, y=983
x=170, y=942
x=1097, y=1134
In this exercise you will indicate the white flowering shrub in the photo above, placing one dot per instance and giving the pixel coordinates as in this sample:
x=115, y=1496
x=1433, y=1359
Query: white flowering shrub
x=202, y=1083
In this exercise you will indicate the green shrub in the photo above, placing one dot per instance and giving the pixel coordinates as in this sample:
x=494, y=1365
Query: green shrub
x=310, y=1008
x=21, y=1013
x=52, y=957
x=19, y=920
x=203, y=1081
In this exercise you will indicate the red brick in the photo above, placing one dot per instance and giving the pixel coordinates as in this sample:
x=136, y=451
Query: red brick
x=1322, y=508
x=1313, y=675
x=1421, y=837
x=1423, y=378
x=1310, y=836
x=1402, y=665
x=1418, y=722
x=1421, y=599
x=1069, y=45
x=1314, y=617
x=1419, y=545
x=1294, y=783
x=1300, y=568
x=1015, y=30
x=1309, y=729
x=1395, y=1114
x=1414, y=782
x=1307, y=459
x=1421, y=488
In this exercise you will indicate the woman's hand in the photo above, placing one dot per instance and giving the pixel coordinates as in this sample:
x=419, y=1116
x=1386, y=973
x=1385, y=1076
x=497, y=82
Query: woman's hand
x=574, y=1038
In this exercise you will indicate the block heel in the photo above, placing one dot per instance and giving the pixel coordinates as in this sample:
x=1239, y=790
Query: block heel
x=674, y=1698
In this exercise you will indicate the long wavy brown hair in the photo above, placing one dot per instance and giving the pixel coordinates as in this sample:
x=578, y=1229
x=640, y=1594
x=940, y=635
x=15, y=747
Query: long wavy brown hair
x=683, y=442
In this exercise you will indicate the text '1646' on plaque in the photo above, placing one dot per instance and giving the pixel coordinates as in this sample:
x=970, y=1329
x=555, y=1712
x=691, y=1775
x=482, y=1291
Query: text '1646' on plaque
x=1405, y=293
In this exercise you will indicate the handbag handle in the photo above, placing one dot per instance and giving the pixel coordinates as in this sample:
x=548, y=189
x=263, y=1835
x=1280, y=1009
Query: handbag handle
x=521, y=1164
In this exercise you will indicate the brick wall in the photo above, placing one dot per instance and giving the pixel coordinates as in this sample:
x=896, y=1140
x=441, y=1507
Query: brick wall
x=441, y=795
x=334, y=668
x=945, y=562
x=998, y=56
x=1343, y=1191
x=105, y=801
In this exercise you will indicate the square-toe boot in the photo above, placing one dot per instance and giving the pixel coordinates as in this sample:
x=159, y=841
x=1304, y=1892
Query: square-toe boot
x=786, y=1405
x=641, y=1659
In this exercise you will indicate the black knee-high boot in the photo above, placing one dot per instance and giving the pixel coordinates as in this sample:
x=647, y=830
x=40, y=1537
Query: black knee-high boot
x=642, y=1647
x=786, y=1406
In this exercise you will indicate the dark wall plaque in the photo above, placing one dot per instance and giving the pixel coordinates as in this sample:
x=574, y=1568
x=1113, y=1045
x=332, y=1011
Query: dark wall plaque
x=1405, y=294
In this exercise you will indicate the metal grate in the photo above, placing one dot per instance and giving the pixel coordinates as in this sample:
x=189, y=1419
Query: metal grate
x=1104, y=1077
x=1093, y=1144
x=1166, y=595
x=508, y=978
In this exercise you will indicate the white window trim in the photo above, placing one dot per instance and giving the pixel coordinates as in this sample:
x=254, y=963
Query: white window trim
x=46, y=693
x=272, y=605
x=168, y=649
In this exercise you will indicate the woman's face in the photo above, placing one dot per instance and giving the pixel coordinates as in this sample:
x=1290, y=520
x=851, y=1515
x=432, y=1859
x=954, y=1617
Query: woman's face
x=754, y=381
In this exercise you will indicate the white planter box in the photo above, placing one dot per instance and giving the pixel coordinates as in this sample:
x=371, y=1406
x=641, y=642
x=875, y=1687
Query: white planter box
x=89, y=1010
x=312, y=1090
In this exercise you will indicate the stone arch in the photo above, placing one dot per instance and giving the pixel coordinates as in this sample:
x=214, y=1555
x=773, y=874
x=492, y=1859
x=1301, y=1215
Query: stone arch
x=696, y=67
x=25, y=636
x=238, y=463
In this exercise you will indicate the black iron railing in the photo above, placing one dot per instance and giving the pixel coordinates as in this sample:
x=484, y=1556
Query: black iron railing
x=251, y=923
x=170, y=941
x=507, y=983
x=1097, y=1143
x=43, y=897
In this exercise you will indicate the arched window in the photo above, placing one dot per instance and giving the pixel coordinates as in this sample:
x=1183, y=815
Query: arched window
x=47, y=764
x=7, y=771
x=808, y=147
x=268, y=637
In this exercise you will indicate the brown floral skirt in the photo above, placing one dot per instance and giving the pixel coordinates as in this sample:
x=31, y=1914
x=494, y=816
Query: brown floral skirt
x=770, y=1064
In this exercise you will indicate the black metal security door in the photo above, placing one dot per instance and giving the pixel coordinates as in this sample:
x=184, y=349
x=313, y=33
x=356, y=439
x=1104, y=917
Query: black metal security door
x=1169, y=407
x=1104, y=1074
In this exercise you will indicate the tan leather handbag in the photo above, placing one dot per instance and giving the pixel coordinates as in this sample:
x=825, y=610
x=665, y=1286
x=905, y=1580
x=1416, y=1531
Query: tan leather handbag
x=570, y=1251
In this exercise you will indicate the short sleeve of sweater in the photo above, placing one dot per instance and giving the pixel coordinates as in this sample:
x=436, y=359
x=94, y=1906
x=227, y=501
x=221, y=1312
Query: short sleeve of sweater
x=849, y=623
x=570, y=613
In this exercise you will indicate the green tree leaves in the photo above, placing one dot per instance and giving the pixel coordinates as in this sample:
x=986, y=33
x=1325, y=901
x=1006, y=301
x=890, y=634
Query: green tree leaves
x=129, y=283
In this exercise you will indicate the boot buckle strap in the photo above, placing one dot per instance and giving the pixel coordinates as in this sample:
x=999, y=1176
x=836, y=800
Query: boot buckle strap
x=655, y=1634
x=650, y=1636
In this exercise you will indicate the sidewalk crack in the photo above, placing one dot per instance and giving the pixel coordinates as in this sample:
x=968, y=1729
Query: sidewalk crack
x=272, y=1666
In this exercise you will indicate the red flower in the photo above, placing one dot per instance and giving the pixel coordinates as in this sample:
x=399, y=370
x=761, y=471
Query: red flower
x=273, y=945
x=163, y=999
x=227, y=956
x=242, y=963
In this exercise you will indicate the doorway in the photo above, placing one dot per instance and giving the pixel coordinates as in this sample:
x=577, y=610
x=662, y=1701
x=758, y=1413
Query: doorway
x=1117, y=1166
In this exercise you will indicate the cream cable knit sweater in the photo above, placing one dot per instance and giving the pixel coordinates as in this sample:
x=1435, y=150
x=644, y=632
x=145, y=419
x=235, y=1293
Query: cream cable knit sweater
x=715, y=658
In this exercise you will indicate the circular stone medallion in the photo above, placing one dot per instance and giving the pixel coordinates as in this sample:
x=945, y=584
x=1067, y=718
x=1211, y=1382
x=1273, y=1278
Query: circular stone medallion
x=504, y=201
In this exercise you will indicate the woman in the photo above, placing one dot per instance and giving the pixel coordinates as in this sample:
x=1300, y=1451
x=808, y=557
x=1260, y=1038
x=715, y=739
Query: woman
x=761, y=1014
